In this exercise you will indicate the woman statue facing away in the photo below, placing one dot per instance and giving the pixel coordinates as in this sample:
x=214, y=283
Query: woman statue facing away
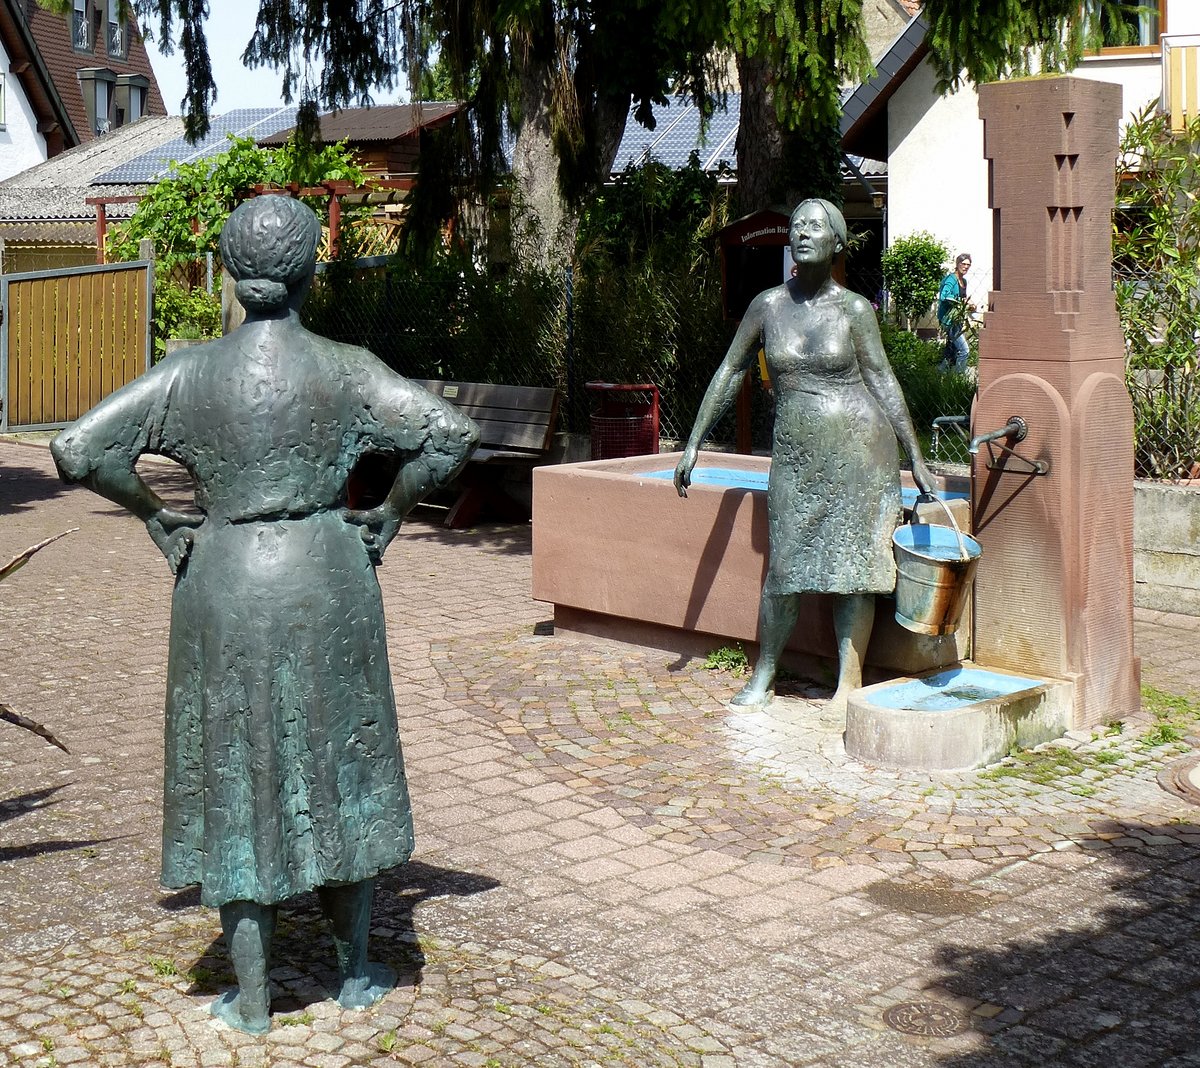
x=283, y=768
x=833, y=499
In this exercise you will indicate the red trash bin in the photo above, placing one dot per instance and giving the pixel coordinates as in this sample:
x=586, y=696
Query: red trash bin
x=625, y=421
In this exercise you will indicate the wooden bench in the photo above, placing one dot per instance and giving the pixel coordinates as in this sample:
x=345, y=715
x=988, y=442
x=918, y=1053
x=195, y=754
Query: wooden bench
x=516, y=425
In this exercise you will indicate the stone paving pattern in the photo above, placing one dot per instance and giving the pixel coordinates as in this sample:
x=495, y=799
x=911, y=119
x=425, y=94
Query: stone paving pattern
x=612, y=868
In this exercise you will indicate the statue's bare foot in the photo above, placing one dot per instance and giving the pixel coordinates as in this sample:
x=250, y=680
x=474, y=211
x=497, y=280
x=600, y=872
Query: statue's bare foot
x=754, y=693
x=838, y=702
x=362, y=991
x=230, y=1008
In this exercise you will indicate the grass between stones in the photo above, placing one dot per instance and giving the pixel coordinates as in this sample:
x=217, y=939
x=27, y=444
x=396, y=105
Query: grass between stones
x=729, y=658
x=1111, y=751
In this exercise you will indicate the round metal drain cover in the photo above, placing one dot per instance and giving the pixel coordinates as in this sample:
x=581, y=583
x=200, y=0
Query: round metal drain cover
x=926, y=1018
x=1182, y=777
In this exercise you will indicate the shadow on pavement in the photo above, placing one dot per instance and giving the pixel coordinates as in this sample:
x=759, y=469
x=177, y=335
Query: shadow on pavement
x=424, y=524
x=23, y=487
x=30, y=802
x=1111, y=985
x=304, y=964
x=34, y=801
x=38, y=849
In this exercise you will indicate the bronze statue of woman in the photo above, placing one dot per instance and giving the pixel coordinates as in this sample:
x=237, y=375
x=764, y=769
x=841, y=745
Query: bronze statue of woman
x=833, y=498
x=283, y=768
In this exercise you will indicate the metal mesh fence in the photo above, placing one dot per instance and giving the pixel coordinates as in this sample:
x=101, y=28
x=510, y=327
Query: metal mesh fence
x=451, y=321
x=1161, y=373
x=455, y=321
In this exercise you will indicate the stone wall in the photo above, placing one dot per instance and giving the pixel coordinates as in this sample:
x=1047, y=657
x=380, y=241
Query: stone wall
x=1166, y=547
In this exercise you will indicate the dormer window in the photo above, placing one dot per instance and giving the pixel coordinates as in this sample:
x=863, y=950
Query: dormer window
x=98, y=84
x=130, y=95
x=118, y=34
x=81, y=27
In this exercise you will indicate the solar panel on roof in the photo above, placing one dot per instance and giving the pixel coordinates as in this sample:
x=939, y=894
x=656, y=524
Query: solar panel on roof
x=677, y=134
x=242, y=122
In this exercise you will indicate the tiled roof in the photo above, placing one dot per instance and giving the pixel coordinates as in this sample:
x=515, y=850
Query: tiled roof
x=57, y=189
x=53, y=36
x=256, y=123
x=125, y=161
x=868, y=101
x=387, y=122
x=28, y=68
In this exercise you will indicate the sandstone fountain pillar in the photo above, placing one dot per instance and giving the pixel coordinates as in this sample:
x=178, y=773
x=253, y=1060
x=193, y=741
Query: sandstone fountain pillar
x=1054, y=593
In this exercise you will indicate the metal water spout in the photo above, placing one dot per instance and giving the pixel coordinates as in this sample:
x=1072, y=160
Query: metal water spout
x=1016, y=428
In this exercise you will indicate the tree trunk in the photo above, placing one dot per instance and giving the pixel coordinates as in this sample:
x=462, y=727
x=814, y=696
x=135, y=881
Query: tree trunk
x=759, y=142
x=544, y=221
x=543, y=231
x=777, y=168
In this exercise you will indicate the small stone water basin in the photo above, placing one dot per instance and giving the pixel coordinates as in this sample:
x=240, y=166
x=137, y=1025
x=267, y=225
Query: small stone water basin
x=949, y=690
x=954, y=719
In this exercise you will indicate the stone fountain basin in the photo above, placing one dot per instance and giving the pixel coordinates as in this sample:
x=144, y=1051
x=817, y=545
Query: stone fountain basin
x=620, y=556
x=954, y=719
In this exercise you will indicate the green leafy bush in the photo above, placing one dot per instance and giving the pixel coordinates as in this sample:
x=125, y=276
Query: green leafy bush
x=183, y=213
x=913, y=267
x=929, y=390
x=182, y=313
x=1156, y=260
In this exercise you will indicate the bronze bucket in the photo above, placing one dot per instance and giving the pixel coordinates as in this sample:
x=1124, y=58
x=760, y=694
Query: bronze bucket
x=934, y=569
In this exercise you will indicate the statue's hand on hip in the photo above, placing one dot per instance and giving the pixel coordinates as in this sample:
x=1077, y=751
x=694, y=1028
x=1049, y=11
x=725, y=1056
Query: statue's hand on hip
x=376, y=526
x=174, y=533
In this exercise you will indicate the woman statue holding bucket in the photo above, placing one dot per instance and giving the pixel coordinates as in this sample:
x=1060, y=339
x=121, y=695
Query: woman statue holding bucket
x=833, y=499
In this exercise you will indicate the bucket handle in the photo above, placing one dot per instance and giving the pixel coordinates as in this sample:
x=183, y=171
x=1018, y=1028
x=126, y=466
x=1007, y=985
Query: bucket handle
x=962, y=545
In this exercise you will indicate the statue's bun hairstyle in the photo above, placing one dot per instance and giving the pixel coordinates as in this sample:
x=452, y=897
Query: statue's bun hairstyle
x=269, y=245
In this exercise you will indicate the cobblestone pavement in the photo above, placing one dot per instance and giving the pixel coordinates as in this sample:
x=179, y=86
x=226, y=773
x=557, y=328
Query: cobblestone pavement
x=612, y=868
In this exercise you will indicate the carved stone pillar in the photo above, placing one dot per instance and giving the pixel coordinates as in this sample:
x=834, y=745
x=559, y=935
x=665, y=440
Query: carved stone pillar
x=1054, y=592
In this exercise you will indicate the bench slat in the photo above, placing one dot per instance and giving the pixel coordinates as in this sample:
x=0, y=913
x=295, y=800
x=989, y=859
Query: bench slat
x=526, y=398
x=513, y=435
x=509, y=417
x=503, y=415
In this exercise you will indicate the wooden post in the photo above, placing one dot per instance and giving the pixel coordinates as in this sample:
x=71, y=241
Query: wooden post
x=335, y=223
x=745, y=401
x=101, y=232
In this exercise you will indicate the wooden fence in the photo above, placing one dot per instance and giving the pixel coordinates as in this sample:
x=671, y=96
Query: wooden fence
x=68, y=339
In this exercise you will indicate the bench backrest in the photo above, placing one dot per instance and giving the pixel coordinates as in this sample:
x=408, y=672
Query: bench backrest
x=509, y=417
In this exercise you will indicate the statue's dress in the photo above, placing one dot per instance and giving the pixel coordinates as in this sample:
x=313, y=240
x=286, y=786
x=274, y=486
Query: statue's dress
x=833, y=499
x=283, y=766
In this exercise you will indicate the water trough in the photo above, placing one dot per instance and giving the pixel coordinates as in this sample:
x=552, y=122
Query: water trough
x=957, y=718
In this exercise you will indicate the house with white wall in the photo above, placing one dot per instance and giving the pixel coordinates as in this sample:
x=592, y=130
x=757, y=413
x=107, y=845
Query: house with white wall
x=68, y=79
x=34, y=122
x=933, y=144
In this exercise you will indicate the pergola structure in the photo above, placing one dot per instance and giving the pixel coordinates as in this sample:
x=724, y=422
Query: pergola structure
x=339, y=194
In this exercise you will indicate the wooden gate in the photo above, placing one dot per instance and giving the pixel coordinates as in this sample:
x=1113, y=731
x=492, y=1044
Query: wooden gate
x=68, y=339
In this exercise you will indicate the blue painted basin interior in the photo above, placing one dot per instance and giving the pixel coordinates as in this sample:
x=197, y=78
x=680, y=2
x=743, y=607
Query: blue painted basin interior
x=950, y=690
x=736, y=478
x=720, y=476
